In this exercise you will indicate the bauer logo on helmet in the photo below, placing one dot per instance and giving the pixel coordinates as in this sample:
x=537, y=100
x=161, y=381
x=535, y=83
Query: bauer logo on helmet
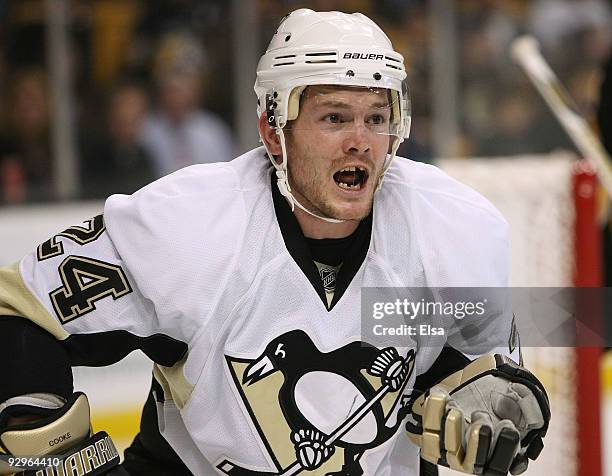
x=363, y=56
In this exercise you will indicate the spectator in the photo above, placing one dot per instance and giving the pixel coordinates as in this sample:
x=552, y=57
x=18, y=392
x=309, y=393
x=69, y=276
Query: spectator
x=179, y=133
x=554, y=21
x=116, y=161
x=520, y=125
x=26, y=165
x=12, y=181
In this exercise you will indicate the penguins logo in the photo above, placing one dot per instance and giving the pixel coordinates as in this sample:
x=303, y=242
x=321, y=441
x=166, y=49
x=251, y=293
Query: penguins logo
x=319, y=412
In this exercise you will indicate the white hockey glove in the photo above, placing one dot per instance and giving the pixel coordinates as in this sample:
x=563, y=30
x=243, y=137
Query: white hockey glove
x=62, y=435
x=488, y=418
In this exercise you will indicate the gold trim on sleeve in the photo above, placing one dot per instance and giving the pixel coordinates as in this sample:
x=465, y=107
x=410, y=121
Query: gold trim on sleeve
x=17, y=300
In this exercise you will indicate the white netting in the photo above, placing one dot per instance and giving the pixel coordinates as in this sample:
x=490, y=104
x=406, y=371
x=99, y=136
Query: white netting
x=535, y=195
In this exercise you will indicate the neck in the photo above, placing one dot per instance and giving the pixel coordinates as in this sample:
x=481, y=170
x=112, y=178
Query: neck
x=314, y=227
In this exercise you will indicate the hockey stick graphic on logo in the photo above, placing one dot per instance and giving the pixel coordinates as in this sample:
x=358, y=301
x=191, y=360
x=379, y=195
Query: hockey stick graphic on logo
x=525, y=51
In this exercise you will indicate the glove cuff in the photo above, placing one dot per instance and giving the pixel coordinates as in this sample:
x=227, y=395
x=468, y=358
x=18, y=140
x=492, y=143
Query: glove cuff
x=62, y=429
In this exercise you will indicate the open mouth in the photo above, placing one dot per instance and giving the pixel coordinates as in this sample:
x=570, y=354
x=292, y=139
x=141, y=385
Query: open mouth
x=351, y=178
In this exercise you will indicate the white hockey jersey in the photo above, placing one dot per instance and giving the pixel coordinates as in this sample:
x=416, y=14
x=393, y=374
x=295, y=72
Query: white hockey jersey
x=194, y=269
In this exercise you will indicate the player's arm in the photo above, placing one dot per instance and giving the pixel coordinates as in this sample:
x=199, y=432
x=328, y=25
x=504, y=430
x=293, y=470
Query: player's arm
x=40, y=416
x=485, y=415
x=488, y=417
x=70, y=302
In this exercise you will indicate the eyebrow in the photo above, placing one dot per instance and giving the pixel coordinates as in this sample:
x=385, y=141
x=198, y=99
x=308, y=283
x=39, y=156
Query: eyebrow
x=344, y=105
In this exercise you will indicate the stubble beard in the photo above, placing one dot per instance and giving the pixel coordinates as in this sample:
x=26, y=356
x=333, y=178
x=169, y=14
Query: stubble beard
x=311, y=185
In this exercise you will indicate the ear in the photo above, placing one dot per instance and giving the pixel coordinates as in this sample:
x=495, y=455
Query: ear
x=268, y=135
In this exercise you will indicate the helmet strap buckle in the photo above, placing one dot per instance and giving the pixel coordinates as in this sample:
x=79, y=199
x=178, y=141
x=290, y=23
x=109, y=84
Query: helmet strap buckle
x=270, y=111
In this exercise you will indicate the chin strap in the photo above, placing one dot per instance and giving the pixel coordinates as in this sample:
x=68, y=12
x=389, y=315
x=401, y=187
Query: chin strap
x=282, y=175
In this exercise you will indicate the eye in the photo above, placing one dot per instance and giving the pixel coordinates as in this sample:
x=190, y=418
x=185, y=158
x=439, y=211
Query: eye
x=333, y=118
x=377, y=119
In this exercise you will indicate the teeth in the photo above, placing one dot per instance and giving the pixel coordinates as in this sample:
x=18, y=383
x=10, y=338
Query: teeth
x=357, y=186
x=352, y=169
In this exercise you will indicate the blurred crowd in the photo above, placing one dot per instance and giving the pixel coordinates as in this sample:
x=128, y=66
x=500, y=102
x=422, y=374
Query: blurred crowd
x=144, y=105
x=152, y=82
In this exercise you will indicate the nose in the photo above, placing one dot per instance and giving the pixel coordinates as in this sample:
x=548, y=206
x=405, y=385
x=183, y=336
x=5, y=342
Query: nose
x=358, y=139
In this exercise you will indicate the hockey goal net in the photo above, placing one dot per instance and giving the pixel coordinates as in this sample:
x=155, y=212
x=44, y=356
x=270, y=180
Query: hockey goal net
x=549, y=202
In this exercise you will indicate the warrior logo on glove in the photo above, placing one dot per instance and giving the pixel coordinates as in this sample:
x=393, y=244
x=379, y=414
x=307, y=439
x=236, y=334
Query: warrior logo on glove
x=317, y=410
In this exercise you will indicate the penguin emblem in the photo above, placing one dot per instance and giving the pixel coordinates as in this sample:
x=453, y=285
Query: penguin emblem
x=320, y=411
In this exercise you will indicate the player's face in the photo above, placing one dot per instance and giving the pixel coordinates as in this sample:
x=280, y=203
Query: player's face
x=337, y=148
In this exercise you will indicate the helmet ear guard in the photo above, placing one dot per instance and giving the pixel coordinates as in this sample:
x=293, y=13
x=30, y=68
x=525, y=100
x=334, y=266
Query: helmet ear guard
x=293, y=106
x=293, y=102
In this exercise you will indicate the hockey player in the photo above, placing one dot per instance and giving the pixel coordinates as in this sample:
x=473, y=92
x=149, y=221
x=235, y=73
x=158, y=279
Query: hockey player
x=242, y=281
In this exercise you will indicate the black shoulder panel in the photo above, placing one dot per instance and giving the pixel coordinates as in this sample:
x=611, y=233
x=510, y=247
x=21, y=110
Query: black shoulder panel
x=106, y=348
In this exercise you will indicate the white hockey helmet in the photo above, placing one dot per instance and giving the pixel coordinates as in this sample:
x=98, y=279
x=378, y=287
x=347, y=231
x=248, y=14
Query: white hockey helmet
x=327, y=48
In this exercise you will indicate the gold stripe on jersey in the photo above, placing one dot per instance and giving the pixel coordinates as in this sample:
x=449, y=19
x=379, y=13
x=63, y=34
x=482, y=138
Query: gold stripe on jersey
x=173, y=381
x=17, y=300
